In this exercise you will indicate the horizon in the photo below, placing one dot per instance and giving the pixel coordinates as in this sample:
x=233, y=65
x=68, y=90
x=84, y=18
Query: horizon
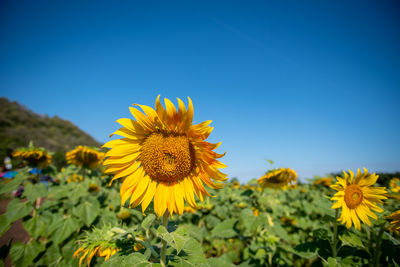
x=290, y=83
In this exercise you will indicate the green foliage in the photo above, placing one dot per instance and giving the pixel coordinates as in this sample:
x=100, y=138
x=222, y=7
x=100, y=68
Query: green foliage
x=290, y=228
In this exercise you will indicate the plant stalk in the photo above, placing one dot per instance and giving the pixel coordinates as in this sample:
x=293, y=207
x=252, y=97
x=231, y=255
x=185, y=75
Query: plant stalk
x=377, y=253
x=335, y=240
x=164, y=243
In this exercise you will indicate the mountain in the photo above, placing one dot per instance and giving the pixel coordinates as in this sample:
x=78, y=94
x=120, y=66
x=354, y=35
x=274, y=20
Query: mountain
x=19, y=125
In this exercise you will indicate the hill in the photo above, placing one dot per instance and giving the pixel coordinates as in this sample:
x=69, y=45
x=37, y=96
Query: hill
x=19, y=125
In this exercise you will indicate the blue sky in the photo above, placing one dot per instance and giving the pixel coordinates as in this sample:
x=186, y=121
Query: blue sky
x=312, y=85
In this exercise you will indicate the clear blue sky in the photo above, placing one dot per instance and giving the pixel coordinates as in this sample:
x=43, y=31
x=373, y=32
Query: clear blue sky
x=313, y=85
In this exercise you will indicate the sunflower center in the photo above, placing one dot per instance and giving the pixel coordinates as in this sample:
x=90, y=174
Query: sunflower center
x=353, y=196
x=167, y=157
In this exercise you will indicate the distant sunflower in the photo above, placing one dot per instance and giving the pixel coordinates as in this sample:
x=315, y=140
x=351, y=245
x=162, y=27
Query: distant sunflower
x=280, y=178
x=326, y=181
x=395, y=185
x=164, y=156
x=84, y=156
x=357, y=196
x=395, y=224
x=33, y=156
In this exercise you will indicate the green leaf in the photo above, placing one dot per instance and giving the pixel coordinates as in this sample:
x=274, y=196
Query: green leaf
x=69, y=226
x=351, y=239
x=56, y=221
x=14, y=184
x=176, y=239
x=17, y=210
x=218, y=262
x=134, y=259
x=193, y=255
x=35, y=226
x=24, y=254
x=4, y=225
x=32, y=192
x=332, y=262
x=225, y=229
x=148, y=221
x=87, y=212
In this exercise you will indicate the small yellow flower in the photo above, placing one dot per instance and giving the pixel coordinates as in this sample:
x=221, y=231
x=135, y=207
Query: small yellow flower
x=395, y=185
x=189, y=209
x=395, y=224
x=235, y=185
x=93, y=188
x=74, y=178
x=138, y=246
x=281, y=178
x=356, y=197
x=256, y=212
x=288, y=220
x=124, y=214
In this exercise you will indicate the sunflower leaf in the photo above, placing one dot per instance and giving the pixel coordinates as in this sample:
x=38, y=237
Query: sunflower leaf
x=32, y=192
x=134, y=259
x=351, y=240
x=176, y=239
x=193, y=255
x=225, y=229
x=17, y=210
x=148, y=221
x=23, y=254
x=87, y=212
x=69, y=226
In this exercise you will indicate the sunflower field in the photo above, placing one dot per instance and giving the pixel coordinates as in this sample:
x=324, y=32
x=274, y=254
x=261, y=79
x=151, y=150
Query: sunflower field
x=157, y=197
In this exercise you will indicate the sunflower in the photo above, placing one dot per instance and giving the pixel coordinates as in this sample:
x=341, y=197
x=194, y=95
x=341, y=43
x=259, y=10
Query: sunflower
x=89, y=252
x=395, y=224
x=165, y=157
x=75, y=178
x=33, y=156
x=326, y=181
x=395, y=185
x=280, y=178
x=84, y=156
x=356, y=196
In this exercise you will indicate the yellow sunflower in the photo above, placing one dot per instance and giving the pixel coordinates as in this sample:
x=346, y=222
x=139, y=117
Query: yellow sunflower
x=84, y=156
x=34, y=157
x=395, y=185
x=356, y=196
x=89, y=252
x=165, y=157
x=281, y=178
x=326, y=181
x=395, y=224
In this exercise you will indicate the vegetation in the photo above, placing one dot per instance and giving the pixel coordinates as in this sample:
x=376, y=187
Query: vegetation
x=242, y=225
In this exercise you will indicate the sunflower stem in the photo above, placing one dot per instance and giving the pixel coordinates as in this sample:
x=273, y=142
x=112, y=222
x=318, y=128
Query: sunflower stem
x=377, y=253
x=335, y=240
x=164, y=243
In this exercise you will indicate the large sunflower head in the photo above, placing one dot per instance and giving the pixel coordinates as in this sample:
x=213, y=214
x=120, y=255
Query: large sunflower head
x=357, y=197
x=84, y=156
x=163, y=155
x=280, y=178
x=33, y=156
